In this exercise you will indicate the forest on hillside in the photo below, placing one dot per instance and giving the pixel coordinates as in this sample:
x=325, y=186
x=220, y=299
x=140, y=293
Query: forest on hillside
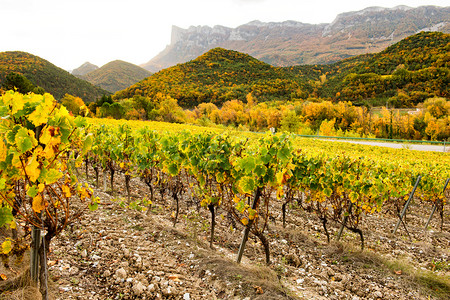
x=228, y=88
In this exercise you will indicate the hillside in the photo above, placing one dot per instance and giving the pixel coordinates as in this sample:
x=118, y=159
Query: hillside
x=84, y=69
x=292, y=43
x=404, y=74
x=116, y=75
x=217, y=76
x=48, y=76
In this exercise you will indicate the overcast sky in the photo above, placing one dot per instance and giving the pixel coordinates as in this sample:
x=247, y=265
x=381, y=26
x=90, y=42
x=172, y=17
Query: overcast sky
x=71, y=32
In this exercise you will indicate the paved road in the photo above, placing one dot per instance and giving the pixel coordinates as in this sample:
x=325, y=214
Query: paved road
x=420, y=147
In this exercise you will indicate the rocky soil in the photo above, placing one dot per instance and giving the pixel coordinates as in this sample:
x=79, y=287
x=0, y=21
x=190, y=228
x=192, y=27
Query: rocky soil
x=119, y=252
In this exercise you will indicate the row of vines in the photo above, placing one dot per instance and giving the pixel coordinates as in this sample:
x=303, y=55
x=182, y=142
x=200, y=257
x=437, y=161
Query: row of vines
x=244, y=176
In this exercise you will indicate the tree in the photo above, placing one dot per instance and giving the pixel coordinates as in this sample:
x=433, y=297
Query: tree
x=437, y=107
x=169, y=110
x=291, y=122
x=74, y=104
x=15, y=81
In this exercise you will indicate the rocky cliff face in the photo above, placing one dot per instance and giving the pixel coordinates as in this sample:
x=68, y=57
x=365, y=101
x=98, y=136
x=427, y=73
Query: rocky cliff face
x=292, y=43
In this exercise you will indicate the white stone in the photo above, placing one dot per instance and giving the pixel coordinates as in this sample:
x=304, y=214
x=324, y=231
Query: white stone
x=121, y=273
x=151, y=287
x=138, y=288
x=84, y=253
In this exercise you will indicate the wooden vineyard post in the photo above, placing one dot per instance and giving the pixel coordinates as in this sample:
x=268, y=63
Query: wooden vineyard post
x=344, y=221
x=407, y=204
x=247, y=228
x=34, y=256
x=435, y=204
x=35, y=237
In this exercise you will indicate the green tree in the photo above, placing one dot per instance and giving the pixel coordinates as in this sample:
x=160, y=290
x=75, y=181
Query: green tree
x=291, y=122
x=21, y=83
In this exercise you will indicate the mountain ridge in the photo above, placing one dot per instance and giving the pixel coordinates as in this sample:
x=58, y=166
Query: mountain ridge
x=291, y=42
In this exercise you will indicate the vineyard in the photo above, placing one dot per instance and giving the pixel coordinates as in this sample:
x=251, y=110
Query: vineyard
x=275, y=202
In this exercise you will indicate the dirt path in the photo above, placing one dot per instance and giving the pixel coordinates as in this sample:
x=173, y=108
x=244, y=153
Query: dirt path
x=418, y=147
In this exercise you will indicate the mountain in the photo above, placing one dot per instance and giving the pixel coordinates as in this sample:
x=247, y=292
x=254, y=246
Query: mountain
x=292, y=43
x=404, y=74
x=217, y=76
x=42, y=73
x=84, y=69
x=116, y=75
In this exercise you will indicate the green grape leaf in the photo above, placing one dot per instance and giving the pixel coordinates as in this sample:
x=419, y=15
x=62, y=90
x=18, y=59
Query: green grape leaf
x=260, y=170
x=284, y=154
x=80, y=121
x=33, y=191
x=247, y=164
x=173, y=169
x=327, y=192
x=6, y=216
x=87, y=145
x=247, y=184
x=24, y=141
x=51, y=176
x=240, y=206
x=93, y=206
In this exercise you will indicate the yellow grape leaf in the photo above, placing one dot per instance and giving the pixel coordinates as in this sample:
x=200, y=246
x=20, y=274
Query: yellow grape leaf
x=280, y=178
x=63, y=111
x=244, y=221
x=3, y=150
x=32, y=169
x=66, y=191
x=121, y=165
x=13, y=225
x=7, y=98
x=6, y=246
x=45, y=136
x=48, y=100
x=280, y=193
x=353, y=197
x=17, y=103
x=39, y=115
x=49, y=152
x=38, y=203
x=41, y=187
x=3, y=277
x=252, y=213
x=236, y=199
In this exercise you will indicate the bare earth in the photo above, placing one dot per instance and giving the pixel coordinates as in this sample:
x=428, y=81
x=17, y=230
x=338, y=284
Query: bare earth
x=121, y=253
